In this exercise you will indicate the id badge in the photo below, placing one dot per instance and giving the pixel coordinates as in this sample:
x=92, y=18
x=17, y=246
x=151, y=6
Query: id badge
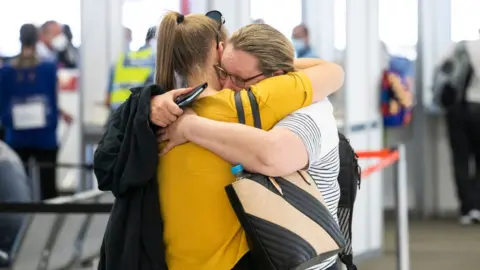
x=29, y=115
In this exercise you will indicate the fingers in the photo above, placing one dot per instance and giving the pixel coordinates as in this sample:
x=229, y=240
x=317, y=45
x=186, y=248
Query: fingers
x=173, y=108
x=166, y=148
x=163, y=116
x=169, y=116
x=161, y=135
x=164, y=111
x=159, y=121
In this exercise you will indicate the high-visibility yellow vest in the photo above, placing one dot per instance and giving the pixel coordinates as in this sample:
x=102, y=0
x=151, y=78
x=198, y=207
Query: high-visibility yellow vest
x=131, y=70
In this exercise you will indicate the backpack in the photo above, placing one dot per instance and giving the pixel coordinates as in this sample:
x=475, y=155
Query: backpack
x=452, y=77
x=396, y=93
x=349, y=181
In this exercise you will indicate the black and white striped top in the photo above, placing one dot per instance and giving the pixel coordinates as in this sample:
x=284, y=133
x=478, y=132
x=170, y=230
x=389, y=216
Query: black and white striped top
x=317, y=128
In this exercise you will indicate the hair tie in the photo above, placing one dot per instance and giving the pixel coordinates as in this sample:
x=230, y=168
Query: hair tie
x=180, y=18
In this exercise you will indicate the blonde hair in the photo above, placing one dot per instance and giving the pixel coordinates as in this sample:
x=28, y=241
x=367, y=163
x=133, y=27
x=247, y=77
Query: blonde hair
x=184, y=47
x=272, y=49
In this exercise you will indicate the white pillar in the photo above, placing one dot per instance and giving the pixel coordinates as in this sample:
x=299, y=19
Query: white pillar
x=319, y=17
x=102, y=41
x=435, y=192
x=199, y=6
x=362, y=119
x=435, y=39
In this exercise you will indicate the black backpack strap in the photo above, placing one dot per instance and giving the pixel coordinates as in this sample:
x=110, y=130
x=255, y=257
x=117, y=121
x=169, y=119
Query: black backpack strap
x=239, y=106
x=257, y=122
x=255, y=108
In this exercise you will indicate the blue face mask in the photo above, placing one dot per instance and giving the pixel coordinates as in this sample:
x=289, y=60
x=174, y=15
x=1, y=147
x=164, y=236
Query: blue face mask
x=298, y=44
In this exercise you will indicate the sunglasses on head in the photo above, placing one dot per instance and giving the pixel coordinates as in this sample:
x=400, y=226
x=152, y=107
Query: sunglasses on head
x=218, y=17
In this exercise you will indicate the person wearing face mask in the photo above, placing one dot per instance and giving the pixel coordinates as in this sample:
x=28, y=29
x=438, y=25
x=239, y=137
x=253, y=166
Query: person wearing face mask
x=68, y=58
x=132, y=69
x=128, y=38
x=301, y=42
x=52, y=41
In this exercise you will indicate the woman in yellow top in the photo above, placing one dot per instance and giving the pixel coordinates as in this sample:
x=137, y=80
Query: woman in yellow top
x=201, y=230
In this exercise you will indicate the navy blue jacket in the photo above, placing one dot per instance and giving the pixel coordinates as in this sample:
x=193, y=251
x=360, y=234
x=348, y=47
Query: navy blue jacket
x=19, y=86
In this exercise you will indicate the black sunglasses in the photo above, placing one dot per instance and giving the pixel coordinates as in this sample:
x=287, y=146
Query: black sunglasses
x=218, y=17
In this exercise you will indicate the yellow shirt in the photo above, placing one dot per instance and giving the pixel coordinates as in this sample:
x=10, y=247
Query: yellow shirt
x=201, y=231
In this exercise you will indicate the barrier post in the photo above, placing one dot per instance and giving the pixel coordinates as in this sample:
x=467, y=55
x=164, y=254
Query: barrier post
x=34, y=177
x=401, y=199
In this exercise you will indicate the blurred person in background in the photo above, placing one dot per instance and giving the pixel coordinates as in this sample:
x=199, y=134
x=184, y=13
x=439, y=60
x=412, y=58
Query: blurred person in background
x=258, y=21
x=68, y=57
x=128, y=39
x=132, y=69
x=301, y=42
x=13, y=188
x=29, y=108
x=458, y=92
x=52, y=41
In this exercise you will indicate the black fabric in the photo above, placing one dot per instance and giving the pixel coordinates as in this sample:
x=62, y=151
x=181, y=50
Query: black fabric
x=245, y=263
x=310, y=207
x=448, y=95
x=48, y=178
x=125, y=163
x=349, y=182
x=257, y=122
x=463, y=126
x=239, y=106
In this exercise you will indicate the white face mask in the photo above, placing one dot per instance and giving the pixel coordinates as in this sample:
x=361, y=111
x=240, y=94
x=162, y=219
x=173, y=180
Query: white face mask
x=59, y=43
x=153, y=44
x=298, y=44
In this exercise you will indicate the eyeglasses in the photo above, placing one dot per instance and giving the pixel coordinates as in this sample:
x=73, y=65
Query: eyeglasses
x=218, y=17
x=238, y=81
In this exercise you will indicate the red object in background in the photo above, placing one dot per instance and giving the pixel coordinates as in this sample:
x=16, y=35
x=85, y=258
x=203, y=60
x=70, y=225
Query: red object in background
x=68, y=80
x=70, y=85
x=185, y=6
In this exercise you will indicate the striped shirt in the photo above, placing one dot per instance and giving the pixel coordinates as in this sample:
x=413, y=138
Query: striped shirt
x=317, y=128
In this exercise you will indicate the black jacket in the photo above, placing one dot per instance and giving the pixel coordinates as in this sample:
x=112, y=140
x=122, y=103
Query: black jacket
x=125, y=163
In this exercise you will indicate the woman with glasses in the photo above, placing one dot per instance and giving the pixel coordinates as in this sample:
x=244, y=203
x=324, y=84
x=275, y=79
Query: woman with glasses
x=201, y=230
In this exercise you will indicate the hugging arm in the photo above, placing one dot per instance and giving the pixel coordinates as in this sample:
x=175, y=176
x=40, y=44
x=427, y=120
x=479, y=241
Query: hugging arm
x=291, y=146
x=325, y=77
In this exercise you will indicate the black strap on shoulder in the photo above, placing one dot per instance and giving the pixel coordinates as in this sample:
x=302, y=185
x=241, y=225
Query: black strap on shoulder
x=239, y=106
x=257, y=122
x=255, y=109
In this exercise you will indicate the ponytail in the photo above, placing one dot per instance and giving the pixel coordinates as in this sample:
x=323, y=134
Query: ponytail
x=28, y=38
x=165, y=66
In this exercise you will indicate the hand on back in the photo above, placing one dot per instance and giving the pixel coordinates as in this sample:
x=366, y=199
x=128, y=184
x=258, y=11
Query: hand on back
x=163, y=109
x=174, y=134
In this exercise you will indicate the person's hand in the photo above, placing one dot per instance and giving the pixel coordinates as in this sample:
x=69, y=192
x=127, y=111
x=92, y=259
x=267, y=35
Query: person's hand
x=66, y=117
x=163, y=110
x=175, y=133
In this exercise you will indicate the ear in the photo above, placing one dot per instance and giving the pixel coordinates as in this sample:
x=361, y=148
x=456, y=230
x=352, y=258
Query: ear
x=221, y=47
x=278, y=72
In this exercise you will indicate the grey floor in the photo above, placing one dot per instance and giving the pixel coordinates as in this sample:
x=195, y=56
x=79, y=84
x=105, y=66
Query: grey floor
x=434, y=245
